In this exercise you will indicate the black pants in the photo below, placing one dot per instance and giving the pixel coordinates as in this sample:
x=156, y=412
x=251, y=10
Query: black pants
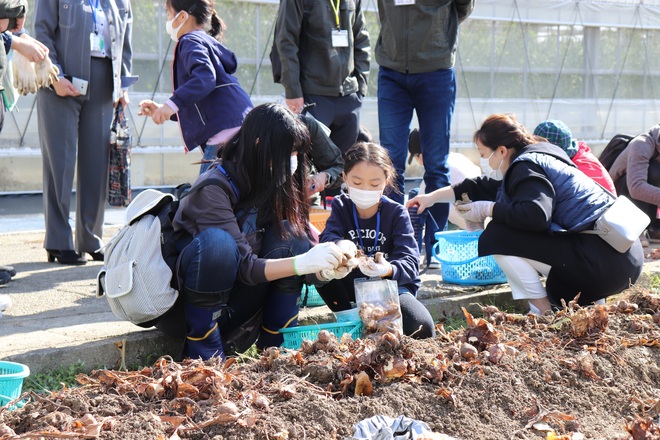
x=650, y=209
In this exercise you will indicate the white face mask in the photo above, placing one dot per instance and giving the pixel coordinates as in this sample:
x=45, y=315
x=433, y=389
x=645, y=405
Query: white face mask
x=174, y=32
x=364, y=198
x=488, y=170
x=294, y=164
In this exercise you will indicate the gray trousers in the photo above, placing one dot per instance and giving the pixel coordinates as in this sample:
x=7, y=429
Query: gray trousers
x=74, y=134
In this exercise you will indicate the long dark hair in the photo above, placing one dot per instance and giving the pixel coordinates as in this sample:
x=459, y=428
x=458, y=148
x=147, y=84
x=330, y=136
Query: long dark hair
x=262, y=151
x=505, y=130
x=203, y=11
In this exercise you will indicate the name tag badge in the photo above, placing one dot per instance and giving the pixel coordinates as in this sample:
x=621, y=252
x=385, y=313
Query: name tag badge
x=403, y=2
x=339, y=38
x=96, y=42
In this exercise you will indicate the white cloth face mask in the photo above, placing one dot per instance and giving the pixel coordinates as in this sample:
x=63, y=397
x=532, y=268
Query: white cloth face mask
x=364, y=198
x=488, y=170
x=294, y=164
x=174, y=32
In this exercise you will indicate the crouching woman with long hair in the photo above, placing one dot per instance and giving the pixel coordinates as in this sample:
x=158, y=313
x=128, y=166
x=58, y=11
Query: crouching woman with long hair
x=245, y=244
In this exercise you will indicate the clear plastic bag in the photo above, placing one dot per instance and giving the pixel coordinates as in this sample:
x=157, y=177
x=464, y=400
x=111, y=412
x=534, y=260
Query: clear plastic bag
x=378, y=305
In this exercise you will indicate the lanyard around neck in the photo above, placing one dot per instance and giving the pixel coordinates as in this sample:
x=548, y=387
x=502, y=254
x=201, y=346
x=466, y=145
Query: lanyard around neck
x=94, y=8
x=335, y=8
x=231, y=182
x=357, y=225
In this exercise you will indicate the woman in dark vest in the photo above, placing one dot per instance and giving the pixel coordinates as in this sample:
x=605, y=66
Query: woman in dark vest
x=539, y=202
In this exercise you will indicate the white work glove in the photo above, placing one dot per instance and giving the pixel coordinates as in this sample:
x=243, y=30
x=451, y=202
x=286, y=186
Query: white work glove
x=322, y=256
x=25, y=80
x=476, y=212
x=349, y=250
x=376, y=267
x=333, y=274
x=349, y=262
x=46, y=73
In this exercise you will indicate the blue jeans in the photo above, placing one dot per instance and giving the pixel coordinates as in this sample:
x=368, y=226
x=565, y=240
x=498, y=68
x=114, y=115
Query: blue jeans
x=213, y=251
x=432, y=96
x=208, y=268
x=210, y=154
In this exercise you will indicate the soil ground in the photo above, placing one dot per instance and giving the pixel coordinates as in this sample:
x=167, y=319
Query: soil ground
x=582, y=373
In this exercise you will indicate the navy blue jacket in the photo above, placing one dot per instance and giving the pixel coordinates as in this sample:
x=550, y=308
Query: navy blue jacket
x=396, y=238
x=542, y=191
x=208, y=95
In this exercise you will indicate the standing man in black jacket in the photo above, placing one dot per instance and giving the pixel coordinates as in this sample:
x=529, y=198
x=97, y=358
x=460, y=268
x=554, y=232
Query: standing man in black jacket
x=324, y=50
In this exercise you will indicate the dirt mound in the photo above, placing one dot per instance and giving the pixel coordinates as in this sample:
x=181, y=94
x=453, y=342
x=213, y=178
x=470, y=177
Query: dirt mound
x=582, y=373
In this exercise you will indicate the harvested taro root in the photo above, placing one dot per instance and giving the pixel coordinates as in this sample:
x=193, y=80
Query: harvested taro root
x=380, y=318
x=351, y=261
x=464, y=199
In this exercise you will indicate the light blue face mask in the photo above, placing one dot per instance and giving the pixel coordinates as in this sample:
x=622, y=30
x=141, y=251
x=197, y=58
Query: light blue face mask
x=488, y=171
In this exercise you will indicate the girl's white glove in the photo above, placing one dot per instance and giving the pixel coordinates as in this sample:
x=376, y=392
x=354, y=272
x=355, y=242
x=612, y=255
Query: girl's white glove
x=476, y=212
x=333, y=274
x=348, y=248
x=378, y=267
x=322, y=256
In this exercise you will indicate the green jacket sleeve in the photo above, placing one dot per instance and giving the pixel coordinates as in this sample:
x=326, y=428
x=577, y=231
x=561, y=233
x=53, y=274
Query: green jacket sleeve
x=287, y=41
x=361, y=49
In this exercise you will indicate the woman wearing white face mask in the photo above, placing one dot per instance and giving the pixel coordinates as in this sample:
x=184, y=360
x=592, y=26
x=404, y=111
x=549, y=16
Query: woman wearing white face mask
x=381, y=228
x=539, y=202
x=208, y=101
x=244, y=242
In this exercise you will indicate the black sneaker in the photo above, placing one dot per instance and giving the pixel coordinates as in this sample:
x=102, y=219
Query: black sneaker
x=9, y=269
x=4, y=277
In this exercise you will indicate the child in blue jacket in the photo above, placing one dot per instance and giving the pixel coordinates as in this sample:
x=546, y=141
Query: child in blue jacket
x=208, y=101
x=381, y=228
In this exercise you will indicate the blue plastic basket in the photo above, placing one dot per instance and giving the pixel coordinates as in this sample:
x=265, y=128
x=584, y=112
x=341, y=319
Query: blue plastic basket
x=310, y=297
x=294, y=336
x=457, y=252
x=11, y=380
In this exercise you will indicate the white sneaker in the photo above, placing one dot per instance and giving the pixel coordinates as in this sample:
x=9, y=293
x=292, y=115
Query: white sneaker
x=432, y=264
x=5, y=302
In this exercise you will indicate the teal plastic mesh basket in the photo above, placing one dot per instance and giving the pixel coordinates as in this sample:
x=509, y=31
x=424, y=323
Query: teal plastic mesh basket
x=11, y=380
x=310, y=297
x=457, y=252
x=294, y=336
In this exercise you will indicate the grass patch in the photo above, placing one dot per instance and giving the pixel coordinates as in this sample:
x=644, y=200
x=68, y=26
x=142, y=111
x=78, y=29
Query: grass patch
x=654, y=283
x=54, y=380
x=454, y=322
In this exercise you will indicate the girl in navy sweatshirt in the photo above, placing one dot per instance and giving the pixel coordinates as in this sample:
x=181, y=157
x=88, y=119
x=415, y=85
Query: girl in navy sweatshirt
x=381, y=228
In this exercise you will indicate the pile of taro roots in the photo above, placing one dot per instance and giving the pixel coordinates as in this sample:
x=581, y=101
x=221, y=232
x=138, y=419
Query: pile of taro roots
x=195, y=396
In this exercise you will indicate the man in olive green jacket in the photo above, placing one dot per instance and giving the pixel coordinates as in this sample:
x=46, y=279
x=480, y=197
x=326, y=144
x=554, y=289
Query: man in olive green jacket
x=416, y=51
